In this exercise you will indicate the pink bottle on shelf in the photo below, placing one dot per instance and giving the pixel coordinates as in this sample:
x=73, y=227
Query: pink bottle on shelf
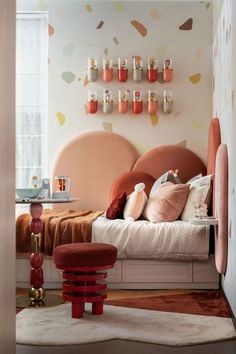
x=123, y=104
x=122, y=70
x=152, y=101
x=137, y=103
x=107, y=71
x=92, y=103
x=152, y=71
x=168, y=70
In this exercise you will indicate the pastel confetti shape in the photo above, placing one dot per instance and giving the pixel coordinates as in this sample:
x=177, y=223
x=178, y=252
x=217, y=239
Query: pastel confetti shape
x=187, y=25
x=137, y=57
x=115, y=40
x=61, y=118
x=140, y=148
x=85, y=109
x=118, y=6
x=208, y=4
x=198, y=53
x=154, y=14
x=196, y=124
x=182, y=143
x=42, y=5
x=106, y=51
x=195, y=78
x=50, y=30
x=99, y=26
x=107, y=126
x=86, y=81
x=89, y=8
x=68, y=49
x=154, y=119
x=139, y=27
x=68, y=76
x=161, y=49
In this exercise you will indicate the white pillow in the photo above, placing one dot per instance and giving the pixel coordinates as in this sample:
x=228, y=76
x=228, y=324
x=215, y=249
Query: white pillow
x=198, y=194
x=135, y=203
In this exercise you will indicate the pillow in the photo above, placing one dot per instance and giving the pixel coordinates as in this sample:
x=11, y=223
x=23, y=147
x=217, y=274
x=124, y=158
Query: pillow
x=170, y=176
x=135, y=203
x=116, y=208
x=127, y=181
x=200, y=193
x=167, y=203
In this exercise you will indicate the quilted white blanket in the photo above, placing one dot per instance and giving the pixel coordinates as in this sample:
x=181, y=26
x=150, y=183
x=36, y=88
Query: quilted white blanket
x=175, y=241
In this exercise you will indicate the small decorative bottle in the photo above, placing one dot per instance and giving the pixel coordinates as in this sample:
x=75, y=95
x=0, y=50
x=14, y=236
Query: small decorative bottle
x=167, y=102
x=152, y=101
x=123, y=101
x=92, y=103
x=107, y=104
x=168, y=70
x=92, y=70
x=137, y=103
x=107, y=72
x=152, y=70
x=122, y=70
x=137, y=69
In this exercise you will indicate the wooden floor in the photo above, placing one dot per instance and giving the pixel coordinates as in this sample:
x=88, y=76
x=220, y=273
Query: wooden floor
x=130, y=347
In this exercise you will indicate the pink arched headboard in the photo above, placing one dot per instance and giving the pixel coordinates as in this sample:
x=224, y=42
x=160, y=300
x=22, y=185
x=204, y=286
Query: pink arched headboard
x=93, y=161
x=214, y=141
x=170, y=157
x=221, y=208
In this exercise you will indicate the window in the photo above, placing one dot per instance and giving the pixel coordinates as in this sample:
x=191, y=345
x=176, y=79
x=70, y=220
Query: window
x=31, y=97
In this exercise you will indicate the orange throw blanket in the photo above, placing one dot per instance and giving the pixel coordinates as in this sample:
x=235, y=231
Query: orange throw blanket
x=60, y=227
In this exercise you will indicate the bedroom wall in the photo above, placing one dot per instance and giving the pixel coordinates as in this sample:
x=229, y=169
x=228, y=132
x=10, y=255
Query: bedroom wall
x=73, y=37
x=224, y=105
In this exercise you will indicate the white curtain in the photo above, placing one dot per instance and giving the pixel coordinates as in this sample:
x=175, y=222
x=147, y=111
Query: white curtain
x=31, y=97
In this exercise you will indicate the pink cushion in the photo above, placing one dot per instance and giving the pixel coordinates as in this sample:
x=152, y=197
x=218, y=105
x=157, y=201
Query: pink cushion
x=167, y=203
x=213, y=144
x=135, y=203
x=127, y=181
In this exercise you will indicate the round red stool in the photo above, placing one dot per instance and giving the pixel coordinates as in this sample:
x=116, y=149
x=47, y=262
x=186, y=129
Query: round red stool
x=83, y=266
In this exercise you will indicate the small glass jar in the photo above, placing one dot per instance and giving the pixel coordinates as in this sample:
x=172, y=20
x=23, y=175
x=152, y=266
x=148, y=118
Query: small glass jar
x=137, y=103
x=167, y=102
x=152, y=71
x=92, y=70
x=137, y=69
x=167, y=70
x=152, y=101
x=92, y=103
x=122, y=70
x=107, y=71
x=107, y=104
x=123, y=104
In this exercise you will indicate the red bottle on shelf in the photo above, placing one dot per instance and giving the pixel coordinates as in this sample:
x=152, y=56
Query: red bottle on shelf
x=107, y=71
x=152, y=102
x=122, y=70
x=92, y=103
x=137, y=103
x=152, y=71
x=123, y=104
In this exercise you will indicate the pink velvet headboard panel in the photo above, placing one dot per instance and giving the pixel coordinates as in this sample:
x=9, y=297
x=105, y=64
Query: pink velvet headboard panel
x=170, y=157
x=93, y=161
x=214, y=141
x=221, y=208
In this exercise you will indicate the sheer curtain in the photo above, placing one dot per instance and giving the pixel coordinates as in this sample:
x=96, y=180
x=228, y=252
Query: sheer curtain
x=31, y=97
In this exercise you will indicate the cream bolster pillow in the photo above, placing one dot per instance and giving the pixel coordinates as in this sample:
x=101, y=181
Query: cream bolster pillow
x=135, y=203
x=200, y=189
x=167, y=203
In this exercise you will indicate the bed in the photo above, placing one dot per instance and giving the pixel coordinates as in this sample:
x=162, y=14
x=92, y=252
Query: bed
x=94, y=161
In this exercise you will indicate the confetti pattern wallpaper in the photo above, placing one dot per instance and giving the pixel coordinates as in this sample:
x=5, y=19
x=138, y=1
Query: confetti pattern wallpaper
x=147, y=29
x=224, y=88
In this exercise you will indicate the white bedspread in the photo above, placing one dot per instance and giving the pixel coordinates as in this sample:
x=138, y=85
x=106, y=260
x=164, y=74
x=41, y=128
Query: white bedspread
x=142, y=239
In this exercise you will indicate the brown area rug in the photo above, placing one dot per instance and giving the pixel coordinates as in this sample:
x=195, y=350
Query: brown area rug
x=208, y=303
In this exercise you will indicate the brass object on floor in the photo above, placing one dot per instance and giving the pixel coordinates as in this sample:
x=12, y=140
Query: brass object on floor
x=49, y=300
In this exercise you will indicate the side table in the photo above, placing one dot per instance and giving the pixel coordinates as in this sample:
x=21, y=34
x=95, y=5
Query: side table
x=208, y=221
x=37, y=296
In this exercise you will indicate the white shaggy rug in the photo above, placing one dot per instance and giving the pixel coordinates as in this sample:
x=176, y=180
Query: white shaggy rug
x=54, y=326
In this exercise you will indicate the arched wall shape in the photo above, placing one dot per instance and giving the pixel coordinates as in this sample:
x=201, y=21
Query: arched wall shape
x=221, y=208
x=170, y=157
x=214, y=141
x=93, y=161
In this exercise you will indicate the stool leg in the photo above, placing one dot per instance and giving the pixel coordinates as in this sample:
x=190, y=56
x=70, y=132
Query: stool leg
x=77, y=310
x=97, y=308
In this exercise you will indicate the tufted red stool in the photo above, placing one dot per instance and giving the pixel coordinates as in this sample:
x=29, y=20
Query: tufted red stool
x=83, y=283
